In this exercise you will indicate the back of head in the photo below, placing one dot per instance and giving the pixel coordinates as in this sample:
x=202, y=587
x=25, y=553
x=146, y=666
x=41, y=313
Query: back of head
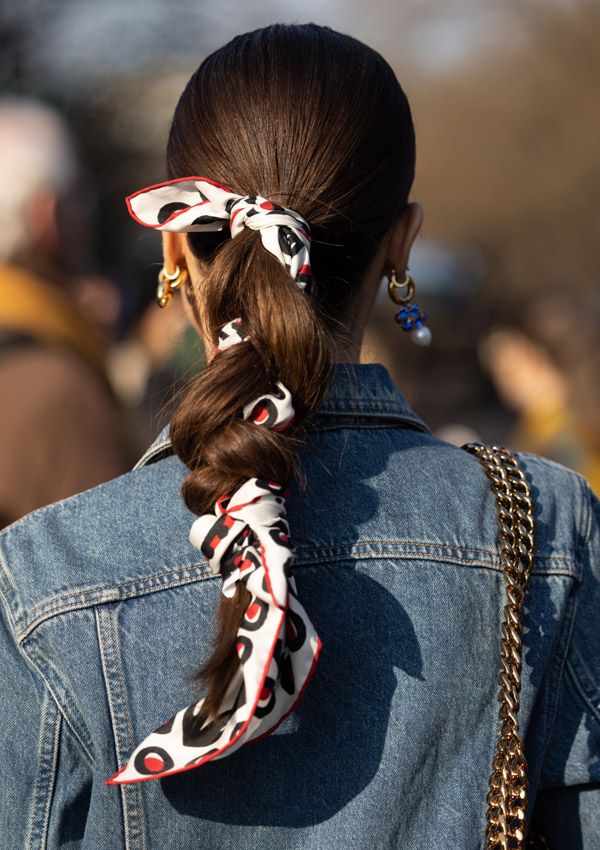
x=36, y=157
x=317, y=122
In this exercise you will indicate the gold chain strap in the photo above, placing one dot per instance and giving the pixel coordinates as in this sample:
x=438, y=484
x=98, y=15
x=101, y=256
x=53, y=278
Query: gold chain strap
x=507, y=794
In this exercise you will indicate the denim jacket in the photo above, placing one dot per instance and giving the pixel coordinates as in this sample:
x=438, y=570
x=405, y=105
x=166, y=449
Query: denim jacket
x=106, y=609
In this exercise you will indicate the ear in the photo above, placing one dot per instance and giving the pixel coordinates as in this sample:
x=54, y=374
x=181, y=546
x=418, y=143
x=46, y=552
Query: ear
x=403, y=234
x=173, y=245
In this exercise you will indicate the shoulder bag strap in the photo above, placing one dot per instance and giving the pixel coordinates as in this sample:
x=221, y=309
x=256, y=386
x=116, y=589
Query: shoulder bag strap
x=507, y=794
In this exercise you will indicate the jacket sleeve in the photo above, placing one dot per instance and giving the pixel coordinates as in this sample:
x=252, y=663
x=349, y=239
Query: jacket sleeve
x=567, y=809
x=44, y=782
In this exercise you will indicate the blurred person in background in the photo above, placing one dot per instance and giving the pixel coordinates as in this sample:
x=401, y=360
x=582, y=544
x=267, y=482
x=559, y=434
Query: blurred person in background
x=60, y=430
x=544, y=359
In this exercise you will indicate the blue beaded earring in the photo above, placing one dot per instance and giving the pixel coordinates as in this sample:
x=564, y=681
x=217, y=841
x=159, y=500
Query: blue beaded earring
x=410, y=317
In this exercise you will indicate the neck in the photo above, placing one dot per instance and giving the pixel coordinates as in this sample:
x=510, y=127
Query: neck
x=347, y=351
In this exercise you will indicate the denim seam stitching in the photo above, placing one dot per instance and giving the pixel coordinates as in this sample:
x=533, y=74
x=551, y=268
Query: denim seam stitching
x=583, y=487
x=45, y=781
x=573, y=674
x=580, y=690
x=345, y=426
x=62, y=707
x=387, y=556
x=427, y=545
x=143, y=587
x=151, y=452
x=586, y=683
x=332, y=406
x=124, y=801
x=551, y=710
x=447, y=557
x=436, y=547
x=9, y=613
x=32, y=664
x=99, y=588
x=495, y=565
x=102, y=595
x=8, y=589
x=111, y=658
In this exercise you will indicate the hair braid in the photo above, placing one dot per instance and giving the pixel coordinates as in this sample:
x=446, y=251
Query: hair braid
x=221, y=449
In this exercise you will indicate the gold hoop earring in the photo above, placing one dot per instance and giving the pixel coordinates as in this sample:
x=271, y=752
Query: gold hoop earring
x=395, y=286
x=410, y=317
x=168, y=284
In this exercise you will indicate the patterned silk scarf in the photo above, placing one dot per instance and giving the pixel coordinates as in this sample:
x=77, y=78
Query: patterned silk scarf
x=245, y=538
x=197, y=205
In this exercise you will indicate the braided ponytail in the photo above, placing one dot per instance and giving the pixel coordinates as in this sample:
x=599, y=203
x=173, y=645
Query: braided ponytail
x=307, y=118
x=286, y=342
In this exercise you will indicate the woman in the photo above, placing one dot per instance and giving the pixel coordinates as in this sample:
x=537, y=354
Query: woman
x=291, y=158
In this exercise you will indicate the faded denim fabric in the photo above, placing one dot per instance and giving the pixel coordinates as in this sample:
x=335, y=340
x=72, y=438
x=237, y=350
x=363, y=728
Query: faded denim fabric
x=107, y=608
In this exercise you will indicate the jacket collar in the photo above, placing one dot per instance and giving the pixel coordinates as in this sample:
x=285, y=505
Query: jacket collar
x=358, y=391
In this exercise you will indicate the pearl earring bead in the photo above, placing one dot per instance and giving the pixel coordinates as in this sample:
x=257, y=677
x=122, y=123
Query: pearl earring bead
x=421, y=336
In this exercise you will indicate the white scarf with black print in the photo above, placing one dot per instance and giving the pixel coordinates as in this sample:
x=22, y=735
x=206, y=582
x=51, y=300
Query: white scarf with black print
x=197, y=205
x=245, y=539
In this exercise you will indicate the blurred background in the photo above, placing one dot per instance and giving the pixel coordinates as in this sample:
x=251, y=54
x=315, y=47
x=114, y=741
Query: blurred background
x=505, y=103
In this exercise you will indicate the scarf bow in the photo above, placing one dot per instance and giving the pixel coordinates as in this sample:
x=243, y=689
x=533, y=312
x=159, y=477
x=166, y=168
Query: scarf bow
x=197, y=204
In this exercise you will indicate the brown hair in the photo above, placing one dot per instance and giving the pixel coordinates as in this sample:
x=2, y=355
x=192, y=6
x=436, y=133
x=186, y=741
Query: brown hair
x=316, y=121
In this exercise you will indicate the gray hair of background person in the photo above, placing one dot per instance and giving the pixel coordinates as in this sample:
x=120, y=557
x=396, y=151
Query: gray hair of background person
x=37, y=161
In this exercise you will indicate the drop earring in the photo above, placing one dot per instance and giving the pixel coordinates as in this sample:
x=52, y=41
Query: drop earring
x=168, y=284
x=410, y=317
